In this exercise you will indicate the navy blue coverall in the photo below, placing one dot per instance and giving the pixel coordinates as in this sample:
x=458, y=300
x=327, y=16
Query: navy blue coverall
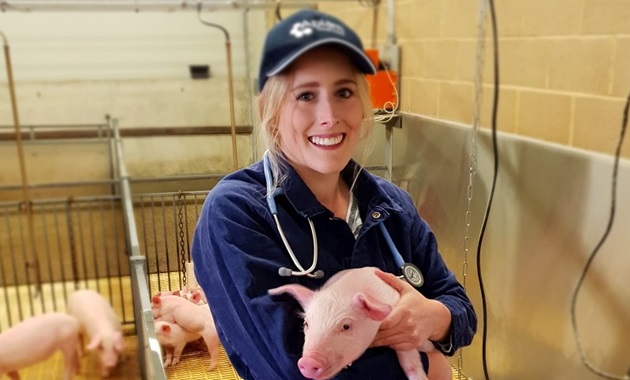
x=237, y=252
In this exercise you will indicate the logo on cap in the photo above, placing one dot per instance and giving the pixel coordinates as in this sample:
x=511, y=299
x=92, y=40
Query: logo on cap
x=304, y=28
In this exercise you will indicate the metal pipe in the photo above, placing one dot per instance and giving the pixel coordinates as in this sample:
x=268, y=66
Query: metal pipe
x=149, y=5
x=148, y=346
x=228, y=52
x=32, y=261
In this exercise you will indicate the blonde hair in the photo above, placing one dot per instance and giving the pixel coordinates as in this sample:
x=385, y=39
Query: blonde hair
x=268, y=106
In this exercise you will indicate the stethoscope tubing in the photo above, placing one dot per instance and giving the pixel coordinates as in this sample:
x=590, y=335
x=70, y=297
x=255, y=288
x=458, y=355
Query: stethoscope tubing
x=271, y=202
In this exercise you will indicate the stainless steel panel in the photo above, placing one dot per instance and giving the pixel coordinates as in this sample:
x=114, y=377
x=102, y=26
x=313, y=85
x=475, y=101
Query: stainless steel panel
x=550, y=209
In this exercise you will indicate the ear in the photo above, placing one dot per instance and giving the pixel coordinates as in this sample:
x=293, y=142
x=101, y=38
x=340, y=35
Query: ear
x=374, y=309
x=302, y=294
x=155, y=301
x=196, y=297
x=166, y=329
x=94, y=343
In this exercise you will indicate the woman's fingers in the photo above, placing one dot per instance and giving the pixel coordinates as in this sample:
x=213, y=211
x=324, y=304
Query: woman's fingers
x=392, y=280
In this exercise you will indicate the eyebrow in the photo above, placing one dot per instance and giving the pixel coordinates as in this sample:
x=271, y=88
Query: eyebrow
x=316, y=83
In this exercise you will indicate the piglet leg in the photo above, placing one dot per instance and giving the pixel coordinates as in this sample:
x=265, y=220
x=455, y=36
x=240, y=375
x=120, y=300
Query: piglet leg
x=212, y=342
x=411, y=364
x=168, y=356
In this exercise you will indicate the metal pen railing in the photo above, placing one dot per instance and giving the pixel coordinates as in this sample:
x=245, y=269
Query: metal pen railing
x=149, y=350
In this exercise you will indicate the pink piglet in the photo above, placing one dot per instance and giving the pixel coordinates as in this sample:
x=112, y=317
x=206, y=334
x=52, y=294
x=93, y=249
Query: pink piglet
x=36, y=339
x=341, y=320
x=194, y=318
x=100, y=324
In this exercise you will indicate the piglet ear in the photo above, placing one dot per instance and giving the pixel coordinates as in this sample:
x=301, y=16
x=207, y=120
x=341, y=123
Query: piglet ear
x=155, y=301
x=94, y=343
x=302, y=294
x=374, y=309
x=196, y=297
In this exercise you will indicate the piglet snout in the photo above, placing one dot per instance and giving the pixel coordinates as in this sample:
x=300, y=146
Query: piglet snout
x=310, y=367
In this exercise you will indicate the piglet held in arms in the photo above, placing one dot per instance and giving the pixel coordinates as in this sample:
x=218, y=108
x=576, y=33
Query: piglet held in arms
x=100, y=324
x=36, y=339
x=342, y=319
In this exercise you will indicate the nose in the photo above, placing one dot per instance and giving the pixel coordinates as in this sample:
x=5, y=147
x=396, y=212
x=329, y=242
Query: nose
x=327, y=112
x=310, y=367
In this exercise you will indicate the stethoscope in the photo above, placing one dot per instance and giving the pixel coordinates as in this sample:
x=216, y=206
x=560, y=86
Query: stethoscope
x=410, y=272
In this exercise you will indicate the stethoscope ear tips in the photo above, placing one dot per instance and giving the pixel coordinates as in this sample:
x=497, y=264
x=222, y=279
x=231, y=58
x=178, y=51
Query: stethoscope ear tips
x=318, y=274
x=285, y=272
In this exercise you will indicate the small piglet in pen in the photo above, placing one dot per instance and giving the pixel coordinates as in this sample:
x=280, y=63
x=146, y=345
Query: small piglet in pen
x=341, y=320
x=173, y=338
x=100, y=324
x=36, y=339
x=192, y=318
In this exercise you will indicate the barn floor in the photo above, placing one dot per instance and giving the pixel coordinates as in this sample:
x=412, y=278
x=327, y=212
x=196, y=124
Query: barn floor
x=194, y=360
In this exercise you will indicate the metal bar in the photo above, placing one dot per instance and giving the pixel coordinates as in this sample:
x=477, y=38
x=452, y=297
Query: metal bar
x=168, y=263
x=61, y=263
x=106, y=252
x=52, y=185
x=31, y=257
x=144, y=232
x=150, y=350
x=48, y=262
x=82, y=247
x=174, y=206
x=187, y=231
x=155, y=250
x=117, y=252
x=153, y=5
x=96, y=136
x=14, y=267
x=3, y=281
x=228, y=54
x=148, y=346
x=90, y=217
x=26, y=272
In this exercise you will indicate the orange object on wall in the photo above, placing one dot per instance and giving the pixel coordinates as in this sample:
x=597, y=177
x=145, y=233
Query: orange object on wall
x=382, y=85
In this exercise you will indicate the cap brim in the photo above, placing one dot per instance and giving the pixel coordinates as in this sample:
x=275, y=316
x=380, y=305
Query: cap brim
x=358, y=56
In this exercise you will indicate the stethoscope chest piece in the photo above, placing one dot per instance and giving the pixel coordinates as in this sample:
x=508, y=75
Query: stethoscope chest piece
x=412, y=274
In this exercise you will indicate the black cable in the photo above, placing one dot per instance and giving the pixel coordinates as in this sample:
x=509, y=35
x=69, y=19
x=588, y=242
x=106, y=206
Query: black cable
x=613, y=202
x=495, y=107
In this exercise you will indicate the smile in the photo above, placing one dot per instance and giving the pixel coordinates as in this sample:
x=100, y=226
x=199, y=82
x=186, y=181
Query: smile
x=327, y=141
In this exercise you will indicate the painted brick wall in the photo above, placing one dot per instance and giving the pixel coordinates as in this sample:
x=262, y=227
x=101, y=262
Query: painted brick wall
x=564, y=64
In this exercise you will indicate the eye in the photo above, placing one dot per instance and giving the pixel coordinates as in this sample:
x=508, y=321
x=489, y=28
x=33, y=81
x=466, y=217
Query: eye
x=305, y=96
x=345, y=93
x=346, y=326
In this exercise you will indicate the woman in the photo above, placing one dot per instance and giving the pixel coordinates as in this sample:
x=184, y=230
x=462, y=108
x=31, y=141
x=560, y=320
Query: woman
x=314, y=109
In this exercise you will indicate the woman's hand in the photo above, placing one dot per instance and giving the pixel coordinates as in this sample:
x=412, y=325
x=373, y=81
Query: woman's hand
x=413, y=320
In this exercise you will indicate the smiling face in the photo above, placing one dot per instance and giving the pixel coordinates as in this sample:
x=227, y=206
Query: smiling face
x=321, y=115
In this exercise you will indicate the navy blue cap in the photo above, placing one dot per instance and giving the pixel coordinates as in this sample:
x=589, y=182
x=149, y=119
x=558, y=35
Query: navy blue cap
x=303, y=31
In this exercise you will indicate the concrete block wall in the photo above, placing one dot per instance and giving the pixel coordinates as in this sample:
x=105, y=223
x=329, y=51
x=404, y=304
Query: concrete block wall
x=564, y=64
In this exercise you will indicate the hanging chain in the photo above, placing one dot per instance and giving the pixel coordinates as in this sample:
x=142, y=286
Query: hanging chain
x=182, y=242
x=472, y=158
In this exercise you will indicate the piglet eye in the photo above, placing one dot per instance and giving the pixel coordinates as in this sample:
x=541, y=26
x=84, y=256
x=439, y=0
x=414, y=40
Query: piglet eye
x=346, y=326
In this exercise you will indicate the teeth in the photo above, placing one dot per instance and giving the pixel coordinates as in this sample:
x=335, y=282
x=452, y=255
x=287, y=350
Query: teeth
x=326, y=141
